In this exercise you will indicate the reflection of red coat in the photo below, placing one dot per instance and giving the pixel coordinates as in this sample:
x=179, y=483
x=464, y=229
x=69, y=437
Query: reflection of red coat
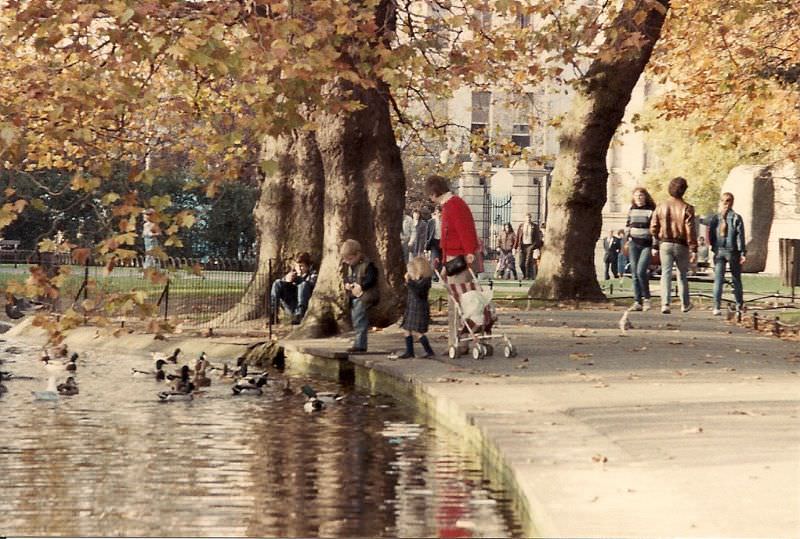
x=458, y=228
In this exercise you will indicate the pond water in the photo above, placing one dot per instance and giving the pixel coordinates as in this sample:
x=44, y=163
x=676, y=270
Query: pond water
x=113, y=460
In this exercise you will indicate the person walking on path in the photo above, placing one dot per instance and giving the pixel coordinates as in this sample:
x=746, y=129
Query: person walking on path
x=673, y=226
x=529, y=237
x=459, y=238
x=434, y=234
x=726, y=234
x=361, y=284
x=417, y=316
x=506, y=265
x=611, y=246
x=640, y=246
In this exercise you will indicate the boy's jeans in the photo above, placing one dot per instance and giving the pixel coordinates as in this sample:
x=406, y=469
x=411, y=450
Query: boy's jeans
x=358, y=314
x=732, y=258
x=679, y=254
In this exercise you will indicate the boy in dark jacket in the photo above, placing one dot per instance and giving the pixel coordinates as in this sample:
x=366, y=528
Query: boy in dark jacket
x=361, y=284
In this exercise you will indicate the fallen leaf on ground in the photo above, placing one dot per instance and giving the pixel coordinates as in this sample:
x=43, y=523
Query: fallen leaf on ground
x=600, y=458
x=676, y=342
x=642, y=349
x=580, y=355
x=445, y=379
x=693, y=430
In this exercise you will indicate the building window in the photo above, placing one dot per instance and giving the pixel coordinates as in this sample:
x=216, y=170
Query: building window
x=479, y=127
x=521, y=135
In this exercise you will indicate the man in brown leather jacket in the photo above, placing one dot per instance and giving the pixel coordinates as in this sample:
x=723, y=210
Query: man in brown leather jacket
x=672, y=225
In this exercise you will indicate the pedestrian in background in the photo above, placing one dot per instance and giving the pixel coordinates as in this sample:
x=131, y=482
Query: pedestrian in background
x=417, y=315
x=640, y=245
x=673, y=225
x=726, y=234
x=611, y=247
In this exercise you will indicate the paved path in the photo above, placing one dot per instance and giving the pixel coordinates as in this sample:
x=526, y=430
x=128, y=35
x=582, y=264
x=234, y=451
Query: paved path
x=683, y=426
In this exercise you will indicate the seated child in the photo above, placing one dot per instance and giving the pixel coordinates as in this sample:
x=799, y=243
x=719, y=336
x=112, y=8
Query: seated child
x=295, y=288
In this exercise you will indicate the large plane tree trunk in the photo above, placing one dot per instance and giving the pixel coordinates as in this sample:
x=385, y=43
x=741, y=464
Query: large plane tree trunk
x=364, y=200
x=288, y=218
x=344, y=180
x=578, y=192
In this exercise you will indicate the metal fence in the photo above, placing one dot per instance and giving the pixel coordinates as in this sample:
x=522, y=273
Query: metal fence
x=193, y=290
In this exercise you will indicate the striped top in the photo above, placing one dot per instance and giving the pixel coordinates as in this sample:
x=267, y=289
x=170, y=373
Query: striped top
x=638, y=225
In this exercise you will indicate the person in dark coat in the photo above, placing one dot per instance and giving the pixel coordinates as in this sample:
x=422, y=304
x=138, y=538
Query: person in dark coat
x=418, y=314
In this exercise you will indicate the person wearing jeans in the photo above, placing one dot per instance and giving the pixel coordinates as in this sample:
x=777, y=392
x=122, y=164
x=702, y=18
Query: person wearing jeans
x=640, y=244
x=726, y=235
x=673, y=224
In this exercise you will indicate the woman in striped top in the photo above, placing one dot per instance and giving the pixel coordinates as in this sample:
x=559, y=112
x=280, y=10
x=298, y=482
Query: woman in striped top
x=640, y=245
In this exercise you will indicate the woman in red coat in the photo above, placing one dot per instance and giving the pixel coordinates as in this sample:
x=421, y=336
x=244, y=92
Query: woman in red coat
x=459, y=237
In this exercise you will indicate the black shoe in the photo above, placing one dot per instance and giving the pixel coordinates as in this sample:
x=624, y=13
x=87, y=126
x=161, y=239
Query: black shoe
x=428, y=355
x=353, y=350
x=400, y=355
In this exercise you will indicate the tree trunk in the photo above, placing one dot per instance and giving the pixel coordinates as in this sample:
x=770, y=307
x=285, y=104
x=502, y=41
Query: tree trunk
x=364, y=200
x=578, y=192
x=288, y=218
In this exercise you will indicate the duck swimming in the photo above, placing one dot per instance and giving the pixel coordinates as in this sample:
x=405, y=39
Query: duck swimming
x=251, y=386
x=200, y=378
x=172, y=358
x=70, y=387
x=72, y=364
x=159, y=373
x=182, y=391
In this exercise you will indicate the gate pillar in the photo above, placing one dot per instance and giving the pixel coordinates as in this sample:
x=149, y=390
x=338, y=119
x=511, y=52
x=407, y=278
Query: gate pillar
x=528, y=193
x=472, y=187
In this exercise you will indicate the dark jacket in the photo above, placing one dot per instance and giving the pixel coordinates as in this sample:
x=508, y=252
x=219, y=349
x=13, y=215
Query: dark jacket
x=612, y=247
x=418, y=313
x=537, y=236
x=734, y=240
x=673, y=222
x=364, y=273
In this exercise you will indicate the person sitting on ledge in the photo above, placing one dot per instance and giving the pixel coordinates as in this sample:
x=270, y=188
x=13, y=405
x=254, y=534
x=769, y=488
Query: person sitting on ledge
x=294, y=289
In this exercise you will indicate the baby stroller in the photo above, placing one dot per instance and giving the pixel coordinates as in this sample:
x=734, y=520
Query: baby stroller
x=506, y=266
x=475, y=319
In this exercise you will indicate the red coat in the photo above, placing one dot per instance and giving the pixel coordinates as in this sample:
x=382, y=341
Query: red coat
x=458, y=228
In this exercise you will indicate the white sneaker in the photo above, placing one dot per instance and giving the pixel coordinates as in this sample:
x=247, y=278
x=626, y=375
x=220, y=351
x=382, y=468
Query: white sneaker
x=687, y=308
x=716, y=312
x=636, y=306
x=646, y=306
x=665, y=309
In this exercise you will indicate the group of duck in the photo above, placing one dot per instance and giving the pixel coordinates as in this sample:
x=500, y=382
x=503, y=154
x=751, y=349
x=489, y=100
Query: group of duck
x=184, y=383
x=58, y=363
x=187, y=381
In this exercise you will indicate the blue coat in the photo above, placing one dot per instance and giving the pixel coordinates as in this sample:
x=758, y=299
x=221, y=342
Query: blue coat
x=734, y=240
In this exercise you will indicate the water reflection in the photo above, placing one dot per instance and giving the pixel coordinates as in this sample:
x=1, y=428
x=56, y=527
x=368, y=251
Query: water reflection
x=114, y=461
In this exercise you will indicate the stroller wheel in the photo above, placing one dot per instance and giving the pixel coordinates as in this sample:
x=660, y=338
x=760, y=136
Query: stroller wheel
x=509, y=350
x=488, y=349
x=477, y=351
x=452, y=352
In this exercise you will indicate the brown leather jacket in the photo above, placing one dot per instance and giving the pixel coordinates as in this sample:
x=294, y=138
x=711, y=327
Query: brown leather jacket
x=673, y=221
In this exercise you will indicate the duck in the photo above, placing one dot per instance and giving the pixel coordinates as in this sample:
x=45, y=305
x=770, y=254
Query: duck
x=72, y=364
x=313, y=405
x=200, y=378
x=172, y=358
x=49, y=394
x=159, y=373
x=182, y=391
x=167, y=396
x=251, y=386
x=70, y=387
x=326, y=397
